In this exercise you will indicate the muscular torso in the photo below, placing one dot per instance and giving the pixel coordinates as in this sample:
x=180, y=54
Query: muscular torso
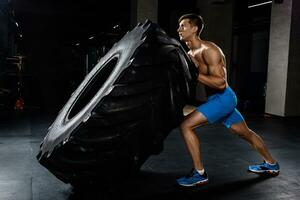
x=210, y=61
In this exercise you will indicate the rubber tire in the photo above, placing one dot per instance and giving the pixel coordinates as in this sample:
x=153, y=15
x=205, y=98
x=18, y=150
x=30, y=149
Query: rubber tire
x=122, y=111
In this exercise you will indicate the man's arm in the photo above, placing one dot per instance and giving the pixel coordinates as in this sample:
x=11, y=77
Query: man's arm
x=216, y=77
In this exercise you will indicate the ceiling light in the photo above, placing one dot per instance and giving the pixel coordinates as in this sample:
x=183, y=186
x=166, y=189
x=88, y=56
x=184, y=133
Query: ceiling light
x=259, y=4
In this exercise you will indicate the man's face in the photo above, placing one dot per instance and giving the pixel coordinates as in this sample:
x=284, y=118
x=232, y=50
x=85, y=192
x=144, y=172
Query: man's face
x=186, y=30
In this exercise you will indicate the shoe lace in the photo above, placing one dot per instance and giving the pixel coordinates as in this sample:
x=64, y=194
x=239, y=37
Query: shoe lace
x=190, y=174
x=264, y=165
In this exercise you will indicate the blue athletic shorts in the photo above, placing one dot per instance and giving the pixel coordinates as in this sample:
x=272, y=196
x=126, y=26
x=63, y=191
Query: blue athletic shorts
x=221, y=107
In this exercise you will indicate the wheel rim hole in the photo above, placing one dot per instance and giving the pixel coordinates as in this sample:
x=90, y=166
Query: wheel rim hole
x=93, y=87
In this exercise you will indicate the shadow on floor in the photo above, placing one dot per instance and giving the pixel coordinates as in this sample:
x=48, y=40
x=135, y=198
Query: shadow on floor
x=149, y=186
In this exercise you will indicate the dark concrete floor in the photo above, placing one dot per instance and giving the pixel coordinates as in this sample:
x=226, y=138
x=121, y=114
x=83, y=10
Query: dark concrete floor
x=226, y=158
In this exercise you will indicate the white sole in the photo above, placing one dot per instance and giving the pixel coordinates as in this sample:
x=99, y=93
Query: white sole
x=194, y=184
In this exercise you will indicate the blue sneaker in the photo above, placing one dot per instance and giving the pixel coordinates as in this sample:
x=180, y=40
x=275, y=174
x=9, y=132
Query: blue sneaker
x=192, y=179
x=265, y=168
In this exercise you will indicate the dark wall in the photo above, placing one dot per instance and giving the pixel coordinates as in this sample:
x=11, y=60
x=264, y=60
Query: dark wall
x=56, y=65
x=170, y=11
x=250, y=45
x=3, y=50
x=51, y=31
x=293, y=81
x=3, y=34
x=9, y=79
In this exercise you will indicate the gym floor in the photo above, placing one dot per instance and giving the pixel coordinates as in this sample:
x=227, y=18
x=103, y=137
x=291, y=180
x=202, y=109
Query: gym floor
x=226, y=158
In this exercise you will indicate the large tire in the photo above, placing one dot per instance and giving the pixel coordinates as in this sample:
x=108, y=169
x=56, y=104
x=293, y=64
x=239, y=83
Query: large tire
x=122, y=111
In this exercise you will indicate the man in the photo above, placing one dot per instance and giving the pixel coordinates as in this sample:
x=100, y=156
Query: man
x=220, y=106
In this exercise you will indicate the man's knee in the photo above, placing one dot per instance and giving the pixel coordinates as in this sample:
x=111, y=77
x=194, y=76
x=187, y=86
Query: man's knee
x=241, y=130
x=184, y=126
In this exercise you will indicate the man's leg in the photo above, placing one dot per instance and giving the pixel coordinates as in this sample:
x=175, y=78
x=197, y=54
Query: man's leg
x=269, y=166
x=241, y=129
x=190, y=137
x=197, y=176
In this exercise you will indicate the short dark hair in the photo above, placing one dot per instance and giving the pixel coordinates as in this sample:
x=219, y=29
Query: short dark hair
x=194, y=19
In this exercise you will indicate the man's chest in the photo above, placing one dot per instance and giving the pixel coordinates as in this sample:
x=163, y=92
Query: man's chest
x=200, y=63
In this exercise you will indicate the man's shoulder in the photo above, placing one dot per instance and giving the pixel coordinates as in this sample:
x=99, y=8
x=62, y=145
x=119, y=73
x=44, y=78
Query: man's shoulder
x=211, y=47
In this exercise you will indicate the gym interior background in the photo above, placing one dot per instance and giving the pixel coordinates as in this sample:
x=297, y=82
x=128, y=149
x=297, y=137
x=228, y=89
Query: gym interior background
x=47, y=48
x=58, y=43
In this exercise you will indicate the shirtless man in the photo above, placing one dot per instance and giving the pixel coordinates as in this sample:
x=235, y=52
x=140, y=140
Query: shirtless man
x=220, y=106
